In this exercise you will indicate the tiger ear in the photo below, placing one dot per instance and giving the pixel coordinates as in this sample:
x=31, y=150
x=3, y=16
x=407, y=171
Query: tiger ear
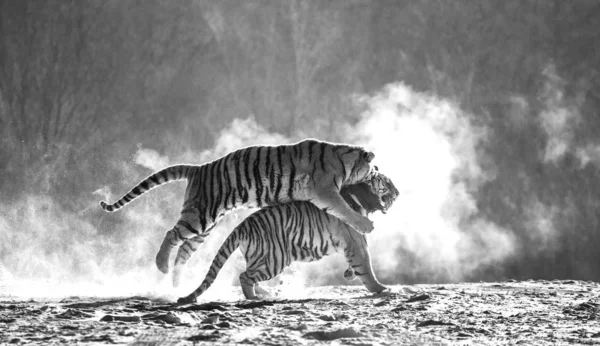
x=369, y=156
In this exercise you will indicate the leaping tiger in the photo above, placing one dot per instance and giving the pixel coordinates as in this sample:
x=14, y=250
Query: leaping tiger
x=259, y=176
x=271, y=238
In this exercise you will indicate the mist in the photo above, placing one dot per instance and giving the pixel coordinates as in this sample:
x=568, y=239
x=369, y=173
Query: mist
x=484, y=118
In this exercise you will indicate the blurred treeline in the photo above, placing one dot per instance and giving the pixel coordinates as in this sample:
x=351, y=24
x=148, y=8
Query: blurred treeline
x=84, y=82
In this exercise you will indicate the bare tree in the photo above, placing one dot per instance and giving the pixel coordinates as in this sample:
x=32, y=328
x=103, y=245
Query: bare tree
x=78, y=75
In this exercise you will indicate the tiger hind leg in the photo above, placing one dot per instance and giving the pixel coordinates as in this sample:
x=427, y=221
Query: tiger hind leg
x=186, y=250
x=171, y=240
x=187, y=227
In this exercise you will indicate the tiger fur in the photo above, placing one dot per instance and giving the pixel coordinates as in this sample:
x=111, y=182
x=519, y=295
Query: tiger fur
x=272, y=238
x=379, y=196
x=259, y=176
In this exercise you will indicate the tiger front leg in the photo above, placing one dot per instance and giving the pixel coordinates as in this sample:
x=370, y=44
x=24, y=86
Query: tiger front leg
x=359, y=263
x=332, y=202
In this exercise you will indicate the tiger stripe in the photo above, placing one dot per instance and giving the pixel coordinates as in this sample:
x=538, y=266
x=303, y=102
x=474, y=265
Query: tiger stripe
x=272, y=238
x=258, y=176
x=168, y=174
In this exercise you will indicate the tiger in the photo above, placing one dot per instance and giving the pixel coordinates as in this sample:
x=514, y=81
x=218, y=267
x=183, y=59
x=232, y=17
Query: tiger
x=381, y=189
x=259, y=176
x=272, y=238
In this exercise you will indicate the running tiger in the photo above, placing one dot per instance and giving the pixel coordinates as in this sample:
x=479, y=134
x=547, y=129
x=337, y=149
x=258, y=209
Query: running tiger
x=272, y=238
x=259, y=176
x=380, y=196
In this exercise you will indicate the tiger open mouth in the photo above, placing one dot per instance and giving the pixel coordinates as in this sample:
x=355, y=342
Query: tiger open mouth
x=373, y=194
x=360, y=208
x=386, y=201
x=382, y=187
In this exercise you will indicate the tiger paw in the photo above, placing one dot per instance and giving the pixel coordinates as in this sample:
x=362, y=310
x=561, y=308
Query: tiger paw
x=164, y=253
x=349, y=274
x=363, y=225
x=382, y=290
x=262, y=293
x=162, y=262
x=186, y=300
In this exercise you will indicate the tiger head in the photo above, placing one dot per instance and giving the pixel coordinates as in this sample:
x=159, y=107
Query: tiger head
x=384, y=188
x=377, y=193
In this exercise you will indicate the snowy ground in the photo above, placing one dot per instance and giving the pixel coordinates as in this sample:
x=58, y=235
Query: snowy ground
x=530, y=312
